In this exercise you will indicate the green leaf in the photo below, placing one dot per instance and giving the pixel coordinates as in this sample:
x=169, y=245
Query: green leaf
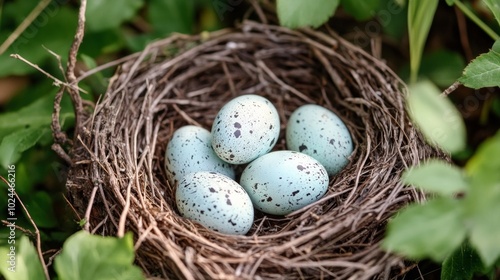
x=494, y=6
x=393, y=18
x=484, y=71
x=27, y=265
x=420, y=16
x=483, y=201
x=431, y=230
x=91, y=257
x=39, y=205
x=483, y=219
x=300, y=13
x=496, y=46
x=361, y=10
x=438, y=177
x=172, y=16
x=102, y=14
x=99, y=43
x=22, y=129
x=483, y=168
x=36, y=113
x=437, y=118
x=462, y=264
x=442, y=67
x=30, y=44
x=17, y=142
x=450, y=2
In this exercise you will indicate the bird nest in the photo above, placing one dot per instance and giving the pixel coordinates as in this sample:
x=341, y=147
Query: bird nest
x=118, y=181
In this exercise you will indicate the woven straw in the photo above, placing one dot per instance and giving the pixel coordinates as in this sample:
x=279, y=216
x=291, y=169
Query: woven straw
x=119, y=184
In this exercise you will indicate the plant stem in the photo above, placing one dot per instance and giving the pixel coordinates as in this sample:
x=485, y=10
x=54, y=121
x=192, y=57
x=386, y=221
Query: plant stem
x=477, y=20
x=25, y=24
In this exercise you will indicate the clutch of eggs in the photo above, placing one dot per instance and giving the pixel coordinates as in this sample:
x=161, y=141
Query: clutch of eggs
x=201, y=163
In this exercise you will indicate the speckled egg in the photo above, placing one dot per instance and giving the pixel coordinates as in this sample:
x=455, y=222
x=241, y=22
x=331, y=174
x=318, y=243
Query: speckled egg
x=190, y=150
x=245, y=128
x=318, y=132
x=284, y=181
x=215, y=201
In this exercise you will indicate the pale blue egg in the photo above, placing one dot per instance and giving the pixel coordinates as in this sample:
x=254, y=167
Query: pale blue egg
x=215, y=201
x=190, y=150
x=245, y=128
x=318, y=132
x=284, y=181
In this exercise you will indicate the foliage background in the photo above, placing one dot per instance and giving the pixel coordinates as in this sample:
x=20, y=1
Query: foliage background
x=113, y=31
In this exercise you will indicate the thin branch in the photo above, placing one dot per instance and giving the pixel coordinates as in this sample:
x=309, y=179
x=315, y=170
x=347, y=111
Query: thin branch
x=70, y=71
x=89, y=208
x=26, y=22
x=57, y=82
x=451, y=88
x=37, y=233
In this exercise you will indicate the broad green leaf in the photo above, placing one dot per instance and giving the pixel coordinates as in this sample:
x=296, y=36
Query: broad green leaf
x=438, y=177
x=91, y=257
x=431, y=230
x=484, y=71
x=172, y=16
x=26, y=266
x=483, y=168
x=450, y=2
x=420, y=16
x=437, y=118
x=496, y=46
x=483, y=201
x=17, y=142
x=442, y=67
x=462, y=264
x=39, y=205
x=102, y=14
x=30, y=44
x=300, y=13
x=494, y=6
x=100, y=43
x=482, y=217
x=393, y=18
x=35, y=116
x=361, y=10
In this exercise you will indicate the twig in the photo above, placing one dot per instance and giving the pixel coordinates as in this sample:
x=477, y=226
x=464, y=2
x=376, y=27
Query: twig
x=451, y=88
x=57, y=82
x=51, y=258
x=72, y=86
x=462, y=27
x=273, y=76
x=58, y=58
x=26, y=22
x=72, y=208
x=86, y=227
x=37, y=233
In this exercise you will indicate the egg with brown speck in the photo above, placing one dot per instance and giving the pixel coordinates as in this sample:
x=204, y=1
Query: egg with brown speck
x=245, y=128
x=284, y=181
x=216, y=202
x=321, y=134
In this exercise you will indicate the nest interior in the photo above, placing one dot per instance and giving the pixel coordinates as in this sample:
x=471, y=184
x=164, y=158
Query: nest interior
x=119, y=184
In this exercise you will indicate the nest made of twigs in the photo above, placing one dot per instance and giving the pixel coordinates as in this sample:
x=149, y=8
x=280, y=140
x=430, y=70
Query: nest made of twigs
x=118, y=180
